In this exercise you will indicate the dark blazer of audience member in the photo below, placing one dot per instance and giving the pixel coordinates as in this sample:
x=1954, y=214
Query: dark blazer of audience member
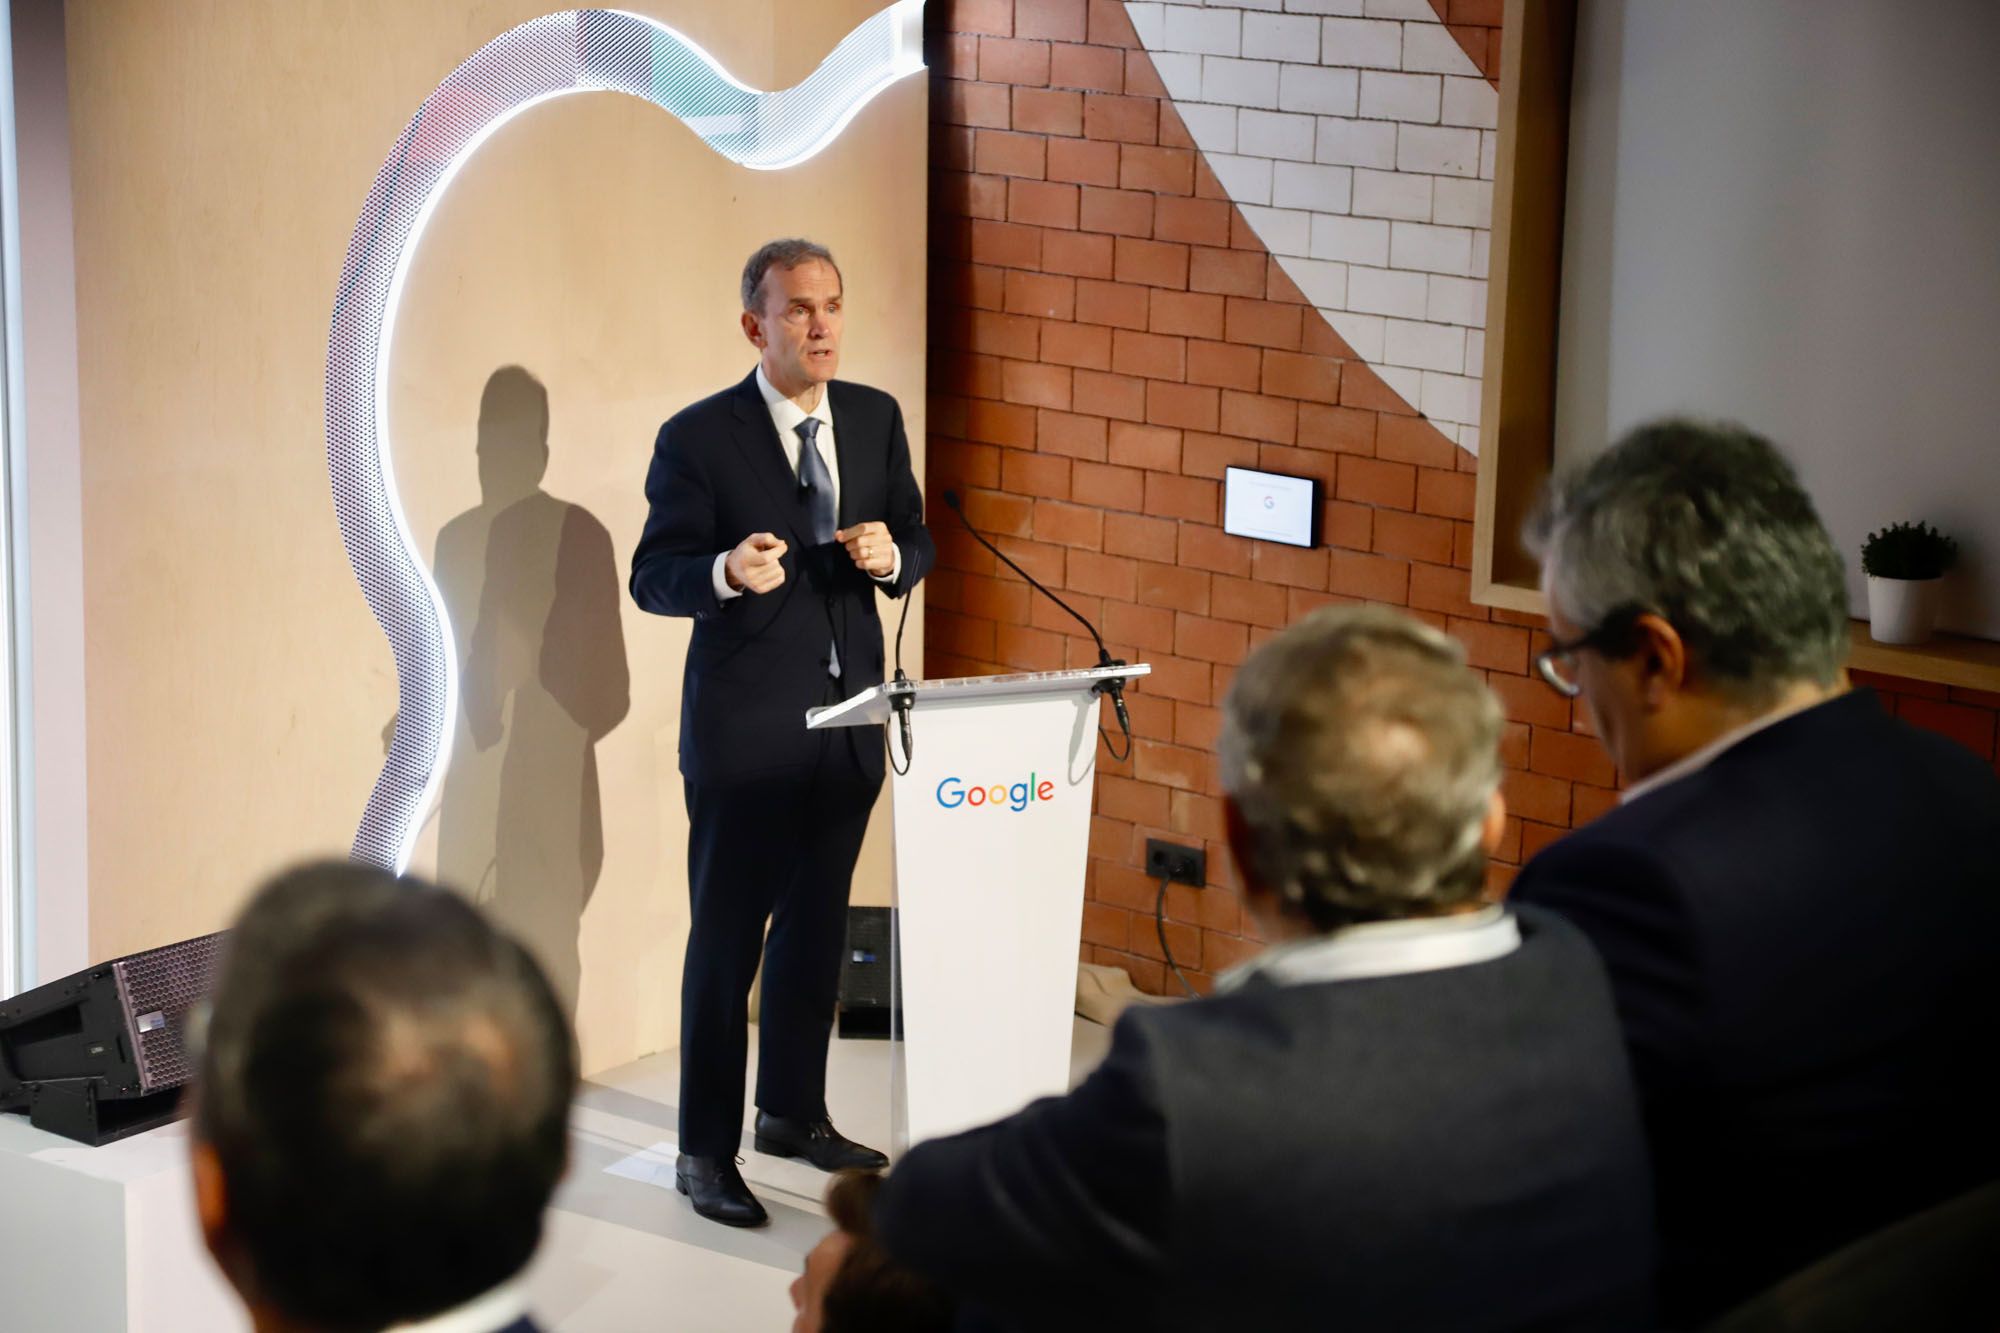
x=1798, y=901
x=1412, y=1111
x=381, y=1111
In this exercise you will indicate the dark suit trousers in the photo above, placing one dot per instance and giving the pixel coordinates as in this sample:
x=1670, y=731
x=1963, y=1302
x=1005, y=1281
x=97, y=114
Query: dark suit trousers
x=777, y=845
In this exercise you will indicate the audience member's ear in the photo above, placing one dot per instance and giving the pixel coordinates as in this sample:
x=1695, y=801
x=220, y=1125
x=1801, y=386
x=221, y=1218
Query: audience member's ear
x=1237, y=831
x=1494, y=826
x=1662, y=659
x=211, y=1200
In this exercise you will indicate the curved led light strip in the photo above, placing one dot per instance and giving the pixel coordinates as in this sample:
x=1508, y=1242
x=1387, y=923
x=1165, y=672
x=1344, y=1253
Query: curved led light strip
x=576, y=51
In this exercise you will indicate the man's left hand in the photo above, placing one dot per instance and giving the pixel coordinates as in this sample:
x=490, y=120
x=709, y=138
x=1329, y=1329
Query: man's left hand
x=870, y=547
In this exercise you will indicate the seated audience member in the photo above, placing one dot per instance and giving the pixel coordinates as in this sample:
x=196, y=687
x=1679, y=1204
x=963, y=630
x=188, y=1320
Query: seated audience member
x=850, y=1285
x=1411, y=1111
x=381, y=1111
x=1798, y=901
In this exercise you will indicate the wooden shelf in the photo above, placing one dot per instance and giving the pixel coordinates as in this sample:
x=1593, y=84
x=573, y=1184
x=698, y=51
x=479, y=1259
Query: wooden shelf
x=1948, y=659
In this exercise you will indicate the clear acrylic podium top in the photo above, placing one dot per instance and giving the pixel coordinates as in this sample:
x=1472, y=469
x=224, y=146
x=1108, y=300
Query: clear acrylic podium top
x=871, y=707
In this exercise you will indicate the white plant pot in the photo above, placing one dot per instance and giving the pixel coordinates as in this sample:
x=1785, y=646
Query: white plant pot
x=1902, y=610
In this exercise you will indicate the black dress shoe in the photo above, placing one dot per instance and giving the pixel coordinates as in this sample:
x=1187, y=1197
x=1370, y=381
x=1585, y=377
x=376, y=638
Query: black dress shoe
x=815, y=1140
x=717, y=1190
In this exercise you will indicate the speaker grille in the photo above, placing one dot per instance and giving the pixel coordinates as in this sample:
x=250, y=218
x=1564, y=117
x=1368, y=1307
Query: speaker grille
x=158, y=989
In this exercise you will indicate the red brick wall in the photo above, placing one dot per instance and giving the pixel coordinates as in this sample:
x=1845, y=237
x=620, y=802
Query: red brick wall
x=1106, y=336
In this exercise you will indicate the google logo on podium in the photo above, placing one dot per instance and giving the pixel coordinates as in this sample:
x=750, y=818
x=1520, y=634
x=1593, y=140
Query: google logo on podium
x=952, y=793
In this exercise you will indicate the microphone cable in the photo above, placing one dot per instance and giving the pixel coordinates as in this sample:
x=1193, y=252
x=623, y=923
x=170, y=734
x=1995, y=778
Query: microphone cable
x=1115, y=688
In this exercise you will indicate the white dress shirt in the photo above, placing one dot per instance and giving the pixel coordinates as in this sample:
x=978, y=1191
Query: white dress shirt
x=488, y=1312
x=1384, y=949
x=786, y=416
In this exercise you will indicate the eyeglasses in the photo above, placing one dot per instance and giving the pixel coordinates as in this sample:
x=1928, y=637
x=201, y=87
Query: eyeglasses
x=1556, y=664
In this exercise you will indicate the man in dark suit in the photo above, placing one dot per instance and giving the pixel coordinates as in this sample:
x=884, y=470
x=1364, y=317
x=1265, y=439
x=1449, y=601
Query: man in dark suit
x=779, y=508
x=1798, y=901
x=1411, y=1111
x=381, y=1109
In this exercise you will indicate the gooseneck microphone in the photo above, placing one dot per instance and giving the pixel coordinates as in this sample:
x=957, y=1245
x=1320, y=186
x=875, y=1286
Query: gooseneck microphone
x=900, y=701
x=1114, y=687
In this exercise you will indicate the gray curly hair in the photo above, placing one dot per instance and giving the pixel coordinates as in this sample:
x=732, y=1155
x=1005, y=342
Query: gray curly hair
x=1705, y=524
x=1362, y=755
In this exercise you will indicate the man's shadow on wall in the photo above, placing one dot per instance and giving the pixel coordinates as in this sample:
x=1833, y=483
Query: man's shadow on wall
x=533, y=593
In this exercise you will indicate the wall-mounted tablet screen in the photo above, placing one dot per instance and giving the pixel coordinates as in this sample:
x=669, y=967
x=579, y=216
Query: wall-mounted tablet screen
x=1270, y=506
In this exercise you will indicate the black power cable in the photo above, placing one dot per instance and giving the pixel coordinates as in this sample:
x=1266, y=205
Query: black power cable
x=1160, y=924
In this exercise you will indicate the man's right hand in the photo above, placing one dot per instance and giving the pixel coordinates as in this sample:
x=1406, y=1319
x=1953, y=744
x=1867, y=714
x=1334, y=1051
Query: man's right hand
x=753, y=566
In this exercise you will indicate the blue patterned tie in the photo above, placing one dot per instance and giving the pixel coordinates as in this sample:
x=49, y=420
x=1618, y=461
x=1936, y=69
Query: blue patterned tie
x=816, y=481
x=818, y=485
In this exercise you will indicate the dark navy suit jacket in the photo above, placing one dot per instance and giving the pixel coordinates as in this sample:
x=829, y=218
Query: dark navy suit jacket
x=1449, y=1150
x=756, y=663
x=1804, y=942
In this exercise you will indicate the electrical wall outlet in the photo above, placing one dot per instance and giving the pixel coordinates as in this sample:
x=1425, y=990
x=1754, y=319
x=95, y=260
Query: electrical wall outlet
x=1176, y=863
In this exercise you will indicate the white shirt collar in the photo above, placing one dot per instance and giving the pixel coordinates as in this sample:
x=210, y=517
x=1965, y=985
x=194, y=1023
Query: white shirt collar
x=1384, y=949
x=1697, y=760
x=788, y=414
x=486, y=1313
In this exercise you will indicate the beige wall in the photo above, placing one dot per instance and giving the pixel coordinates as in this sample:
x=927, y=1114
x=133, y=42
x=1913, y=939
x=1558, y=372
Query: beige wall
x=238, y=688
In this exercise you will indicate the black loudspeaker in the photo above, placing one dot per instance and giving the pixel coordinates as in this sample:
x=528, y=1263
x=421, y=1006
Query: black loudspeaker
x=870, y=1000
x=102, y=1054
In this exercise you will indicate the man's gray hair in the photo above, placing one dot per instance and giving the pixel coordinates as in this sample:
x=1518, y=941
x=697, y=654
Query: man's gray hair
x=1362, y=755
x=1704, y=524
x=786, y=254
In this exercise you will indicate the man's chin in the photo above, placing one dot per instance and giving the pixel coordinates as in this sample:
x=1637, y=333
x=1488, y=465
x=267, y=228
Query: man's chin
x=820, y=370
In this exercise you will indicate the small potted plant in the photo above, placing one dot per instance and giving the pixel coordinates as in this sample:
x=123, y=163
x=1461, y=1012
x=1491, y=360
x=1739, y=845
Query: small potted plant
x=1905, y=563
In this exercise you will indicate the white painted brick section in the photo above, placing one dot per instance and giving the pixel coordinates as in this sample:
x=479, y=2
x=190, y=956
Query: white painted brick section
x=1320, y=189
x=1431, y=47
x=1319, y=281
x=1449, y=397
x=1384, y=291
x=1356, y=143
x=1410, y=98
x=1278, y=36
x=1241, y=83
x=1330, y=92
x=1350, y=240
x=1283, y=231
x=1472, y=103
x=1181, y=75
x=1407, y=381
x=1437, y=151
x=1209, y=32
x=1413, y=245
x=1366, y=334
x=1426, y=346
x=1274, y=134
x=1460, y=301
x=1348, y=8
x=1361, y=43
x=1149, y=22
x=1213, y=128
x=1418, y=10
x=1247, y=180
x=1392, y=194
x=1462, y=203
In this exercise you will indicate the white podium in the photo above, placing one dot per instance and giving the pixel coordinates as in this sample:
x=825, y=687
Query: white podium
x=992, y=831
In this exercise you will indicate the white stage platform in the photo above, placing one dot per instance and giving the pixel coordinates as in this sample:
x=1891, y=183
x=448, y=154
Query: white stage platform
x=103, y=1240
